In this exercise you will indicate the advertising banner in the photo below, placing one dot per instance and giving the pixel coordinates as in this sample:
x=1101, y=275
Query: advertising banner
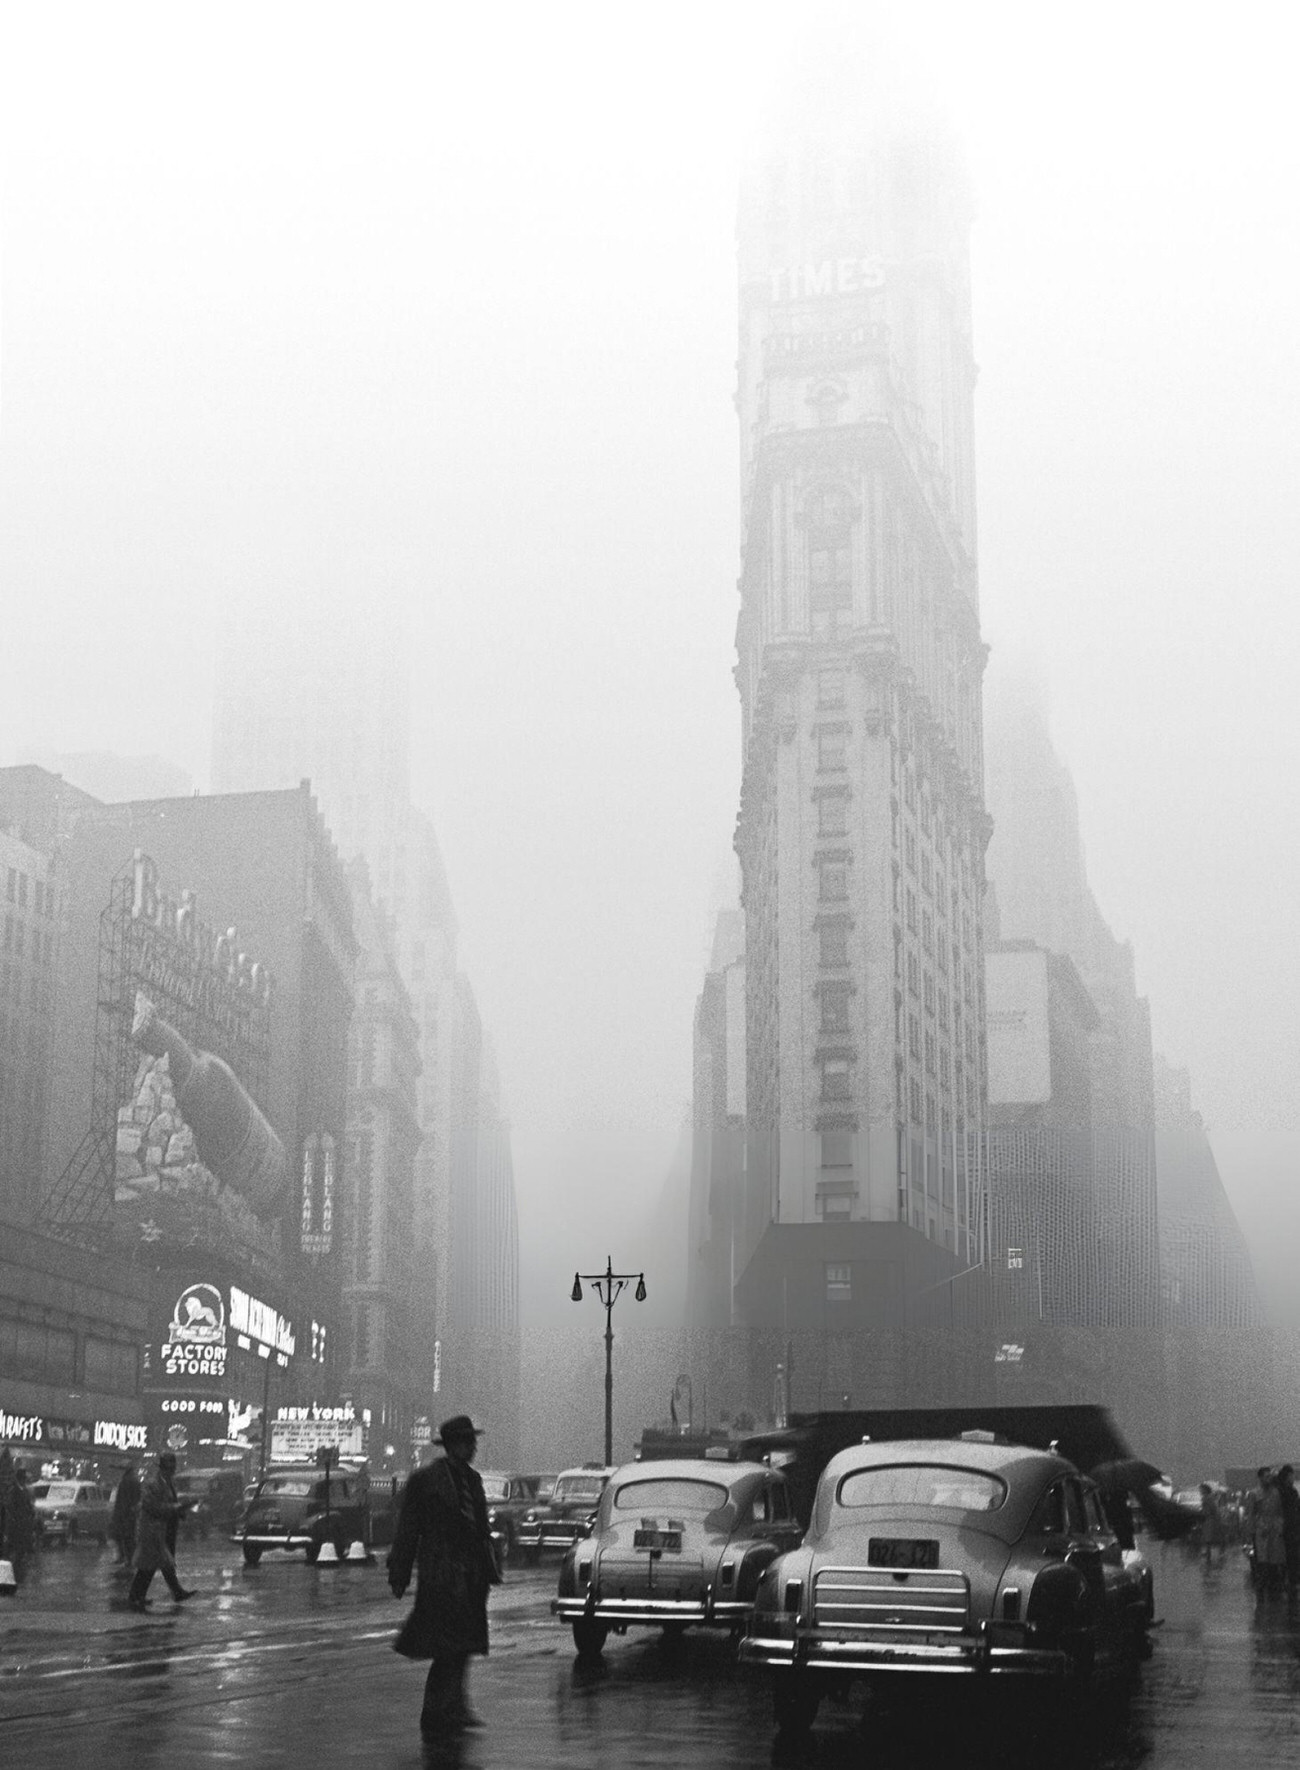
x=297, y=1441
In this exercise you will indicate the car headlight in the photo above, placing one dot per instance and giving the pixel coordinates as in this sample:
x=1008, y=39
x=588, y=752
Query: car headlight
x=530, y=1517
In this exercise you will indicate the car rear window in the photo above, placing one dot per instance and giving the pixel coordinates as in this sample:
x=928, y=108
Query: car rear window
x=496, y=1487
x=579, y=1487
x=63, y=1493
x=923, y=1484
x=294, y=1487
x=670, y=1496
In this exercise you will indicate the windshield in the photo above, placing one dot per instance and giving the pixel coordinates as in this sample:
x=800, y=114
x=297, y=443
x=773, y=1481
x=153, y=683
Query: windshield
x=62, y=1493
x=578, y=1487
x=923, y=1484
x=496, y=1487
x=670, y=1496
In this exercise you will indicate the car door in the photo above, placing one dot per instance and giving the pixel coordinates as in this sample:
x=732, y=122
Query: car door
x=775, y=1514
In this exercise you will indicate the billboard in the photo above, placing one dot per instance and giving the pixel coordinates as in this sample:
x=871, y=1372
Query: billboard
x=297, y=1433
x=1019, y=1044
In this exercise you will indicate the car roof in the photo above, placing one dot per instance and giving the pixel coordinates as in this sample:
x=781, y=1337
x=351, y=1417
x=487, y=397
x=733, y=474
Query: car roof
x=1026, y=1472
x=714, y=1470
x=967, y=1453
x=586, y=1469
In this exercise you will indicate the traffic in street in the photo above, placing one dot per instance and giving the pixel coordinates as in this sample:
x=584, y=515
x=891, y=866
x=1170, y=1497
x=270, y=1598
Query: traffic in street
x=290, y=1664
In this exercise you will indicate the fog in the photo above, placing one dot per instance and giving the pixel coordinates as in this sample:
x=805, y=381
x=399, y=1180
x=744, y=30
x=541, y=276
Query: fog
x=356, y=311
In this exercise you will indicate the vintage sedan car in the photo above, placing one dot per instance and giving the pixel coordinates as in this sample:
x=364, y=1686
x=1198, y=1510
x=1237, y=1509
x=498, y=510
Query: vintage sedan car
x=558, y=1523
x=214, y=1496
x=508, y=1498
x=71, y=1509
x=290, y=1509
x=675, y=1543
x=955, y=1555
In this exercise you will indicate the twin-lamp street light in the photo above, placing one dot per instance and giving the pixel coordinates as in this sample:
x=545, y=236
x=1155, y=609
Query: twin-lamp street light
x=609, y=1287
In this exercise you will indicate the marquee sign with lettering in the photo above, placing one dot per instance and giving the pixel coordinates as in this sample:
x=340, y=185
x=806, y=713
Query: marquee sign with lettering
x=826, y=276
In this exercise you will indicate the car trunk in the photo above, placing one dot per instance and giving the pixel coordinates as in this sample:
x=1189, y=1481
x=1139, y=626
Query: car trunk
x=904, y=1578
x=651, y=1558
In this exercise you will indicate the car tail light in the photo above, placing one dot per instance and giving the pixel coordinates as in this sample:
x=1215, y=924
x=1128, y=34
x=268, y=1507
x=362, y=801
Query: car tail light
x=1011, y=1604
x=728, y=1573
x=793, y=1596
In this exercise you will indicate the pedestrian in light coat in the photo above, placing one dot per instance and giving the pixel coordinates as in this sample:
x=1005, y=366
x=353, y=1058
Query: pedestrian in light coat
x=159, y=1506
x=442, y=1532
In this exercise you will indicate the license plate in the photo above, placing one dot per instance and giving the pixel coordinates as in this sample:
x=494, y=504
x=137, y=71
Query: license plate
x=902, y=1551
x=671, y=1540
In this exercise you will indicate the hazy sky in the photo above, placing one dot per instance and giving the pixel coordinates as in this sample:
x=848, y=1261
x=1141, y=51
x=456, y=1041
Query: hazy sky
x=438, y=307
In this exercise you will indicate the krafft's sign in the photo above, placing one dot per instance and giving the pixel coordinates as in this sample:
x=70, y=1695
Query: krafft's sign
x=22, y=1428
x=196, y=1338
x=121, y=1435
x=826, y=276
x=254, y=1320
x=199, y=945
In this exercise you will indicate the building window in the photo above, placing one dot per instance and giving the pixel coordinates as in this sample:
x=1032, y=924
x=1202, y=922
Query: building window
x=836, y=1207
x=834, y=887
x=837, y=1078
x=835, y=1007
x=839, y=1284
x=834, y=939
x=832, y=747
x=830, y=691
x=837, y=1149
x=833, y=815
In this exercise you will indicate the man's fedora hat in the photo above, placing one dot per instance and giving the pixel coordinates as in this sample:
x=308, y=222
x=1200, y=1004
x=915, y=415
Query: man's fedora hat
x=458, y=1426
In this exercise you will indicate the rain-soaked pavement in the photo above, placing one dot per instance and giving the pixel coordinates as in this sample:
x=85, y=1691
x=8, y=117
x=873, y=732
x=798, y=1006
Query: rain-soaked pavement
x=289, y=1665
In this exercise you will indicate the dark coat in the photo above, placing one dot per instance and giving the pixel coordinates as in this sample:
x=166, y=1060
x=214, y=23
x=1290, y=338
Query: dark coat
x=159, y=1504
x=126, y=1507
x=453, y=1557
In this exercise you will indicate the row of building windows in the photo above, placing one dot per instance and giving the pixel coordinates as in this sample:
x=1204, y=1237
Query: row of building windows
x=15, y=940
x=44, y=899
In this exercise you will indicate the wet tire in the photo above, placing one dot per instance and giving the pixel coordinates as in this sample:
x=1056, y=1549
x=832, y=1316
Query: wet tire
x=589, y=1637
x=795, y=1701
x=252, y=1554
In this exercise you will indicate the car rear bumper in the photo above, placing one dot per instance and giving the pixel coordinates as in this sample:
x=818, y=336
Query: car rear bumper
x=619, y=1612
x=554, y=1537
x=265, y=1539
x=985, y=1655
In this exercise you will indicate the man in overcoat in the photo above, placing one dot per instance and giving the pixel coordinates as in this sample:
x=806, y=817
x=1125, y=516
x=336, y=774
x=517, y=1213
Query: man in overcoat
x=442, y=1532
x=159, y=1505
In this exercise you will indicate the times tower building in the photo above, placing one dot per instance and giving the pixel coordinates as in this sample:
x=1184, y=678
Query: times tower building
x=862, y=827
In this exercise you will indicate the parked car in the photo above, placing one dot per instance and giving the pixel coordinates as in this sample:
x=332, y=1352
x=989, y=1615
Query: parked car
x=948, y=1555
x=675, y=1543
x=71, y=1509
x=557, y=1523
x=215, y=1495
x=508, y=1498
x=290, y=1509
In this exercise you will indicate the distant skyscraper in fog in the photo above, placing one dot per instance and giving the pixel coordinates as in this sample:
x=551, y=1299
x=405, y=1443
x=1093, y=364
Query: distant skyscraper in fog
x=1040, y=894
x=862, y=827
x=333, y=706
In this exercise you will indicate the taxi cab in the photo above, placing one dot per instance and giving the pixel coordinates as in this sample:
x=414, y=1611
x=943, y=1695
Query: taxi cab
x=675, y=1544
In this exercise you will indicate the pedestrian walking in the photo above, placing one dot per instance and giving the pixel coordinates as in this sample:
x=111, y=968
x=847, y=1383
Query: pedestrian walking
x=126, y=1509
x=1213, y=1528
x=442, y=1532
x=1290, y=1524
x=1270, y=1546
x=159, y=1505
x=17, y=1519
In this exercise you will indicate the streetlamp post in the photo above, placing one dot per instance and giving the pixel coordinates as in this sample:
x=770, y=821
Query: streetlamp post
x=609, y=1287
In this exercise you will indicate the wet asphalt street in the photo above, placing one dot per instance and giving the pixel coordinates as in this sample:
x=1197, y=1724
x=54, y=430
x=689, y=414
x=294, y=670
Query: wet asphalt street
x=289, y=1665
